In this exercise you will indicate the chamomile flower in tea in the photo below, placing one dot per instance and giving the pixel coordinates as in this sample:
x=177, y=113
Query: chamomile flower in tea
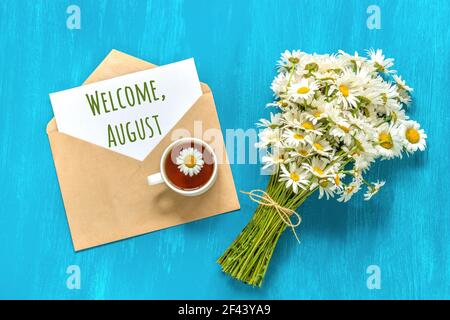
x=190, y=161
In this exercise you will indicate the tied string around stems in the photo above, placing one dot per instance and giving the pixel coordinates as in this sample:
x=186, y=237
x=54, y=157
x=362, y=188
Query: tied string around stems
x=264, y=199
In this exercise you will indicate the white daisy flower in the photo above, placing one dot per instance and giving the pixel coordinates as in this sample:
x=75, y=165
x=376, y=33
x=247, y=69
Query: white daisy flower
x=371, y=191
x=279, y=84
x=319, y=145
x=364, y=121
x=303, y=151
x=404, y=98
x=401, y=84
x=347, y=89
x=398, y=116
x=412, y=136
x=363, y=143
x=326, y=187
x=269, y=137
x=337, y=180
x=388, y=142
x=371, y=94
x=282, y=104
x=379, y=61
x=388, y=91
x=273, y=161
x=355, y=59
x=328, y=64
x=308, y=126
x=290, y=59
x=363, y=160
x=294, y=177
x=342, y=131
x=319, y=168
x=292, y=118
x=390, y=101
x=293, y=138
x=333, y=112
x=274, y=122
x=349, y=190
x=303, y=90
x=317, y=112
x=190, y=161
x=365, y=75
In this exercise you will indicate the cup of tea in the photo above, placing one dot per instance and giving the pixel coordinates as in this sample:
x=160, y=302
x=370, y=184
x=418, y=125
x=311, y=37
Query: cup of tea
x=188, y=166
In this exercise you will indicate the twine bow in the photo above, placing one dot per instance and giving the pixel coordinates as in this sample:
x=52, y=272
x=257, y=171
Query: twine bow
x=264, y=199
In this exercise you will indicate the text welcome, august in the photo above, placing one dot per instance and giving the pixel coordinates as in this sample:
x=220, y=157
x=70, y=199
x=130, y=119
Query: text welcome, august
x=135, y=96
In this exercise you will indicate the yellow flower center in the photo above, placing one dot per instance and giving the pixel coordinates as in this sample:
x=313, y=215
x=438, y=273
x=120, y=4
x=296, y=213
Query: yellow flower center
x=318, y=146
x=294, y=60
x=344, y=90
x=190, y=161
x=303, y=152
x=412, y=135
x=318, y=170
x=317, y=114
x=323, y=183
x=307, y=125
x=298, y=136
x=349, y=189
x=282, y=103
x=337, y=180
x=384, y=97
x=385, y=140
x=294, y=176
x=344, y=128
x=302, y=90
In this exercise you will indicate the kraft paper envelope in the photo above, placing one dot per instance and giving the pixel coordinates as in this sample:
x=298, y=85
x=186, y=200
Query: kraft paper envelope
x=106, y=195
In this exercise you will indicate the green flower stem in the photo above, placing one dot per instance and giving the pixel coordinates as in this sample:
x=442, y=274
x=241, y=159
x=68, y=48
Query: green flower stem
x=248, y=257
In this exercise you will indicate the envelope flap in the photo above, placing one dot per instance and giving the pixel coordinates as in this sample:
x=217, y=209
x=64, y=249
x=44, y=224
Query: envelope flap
x=51, y=126
x=118, y=64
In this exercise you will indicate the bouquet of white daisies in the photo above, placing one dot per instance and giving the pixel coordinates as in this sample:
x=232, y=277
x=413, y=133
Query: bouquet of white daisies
x=337, y=114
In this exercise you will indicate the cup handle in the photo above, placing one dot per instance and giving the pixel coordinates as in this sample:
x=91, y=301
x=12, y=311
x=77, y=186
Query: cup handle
x=155, y=179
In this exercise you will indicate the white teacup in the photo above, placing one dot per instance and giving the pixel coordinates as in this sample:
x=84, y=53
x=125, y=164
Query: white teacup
x=161, y=177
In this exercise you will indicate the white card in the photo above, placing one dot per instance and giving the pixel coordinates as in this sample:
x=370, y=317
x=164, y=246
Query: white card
x=129, y=114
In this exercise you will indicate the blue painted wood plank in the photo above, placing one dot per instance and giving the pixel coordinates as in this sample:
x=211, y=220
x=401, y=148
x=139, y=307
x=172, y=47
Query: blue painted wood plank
x=404, y=230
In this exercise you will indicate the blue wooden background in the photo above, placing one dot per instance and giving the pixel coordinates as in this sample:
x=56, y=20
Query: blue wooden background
x=404, y=230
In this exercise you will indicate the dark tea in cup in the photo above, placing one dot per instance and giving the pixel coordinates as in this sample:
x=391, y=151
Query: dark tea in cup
x=189, y=165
